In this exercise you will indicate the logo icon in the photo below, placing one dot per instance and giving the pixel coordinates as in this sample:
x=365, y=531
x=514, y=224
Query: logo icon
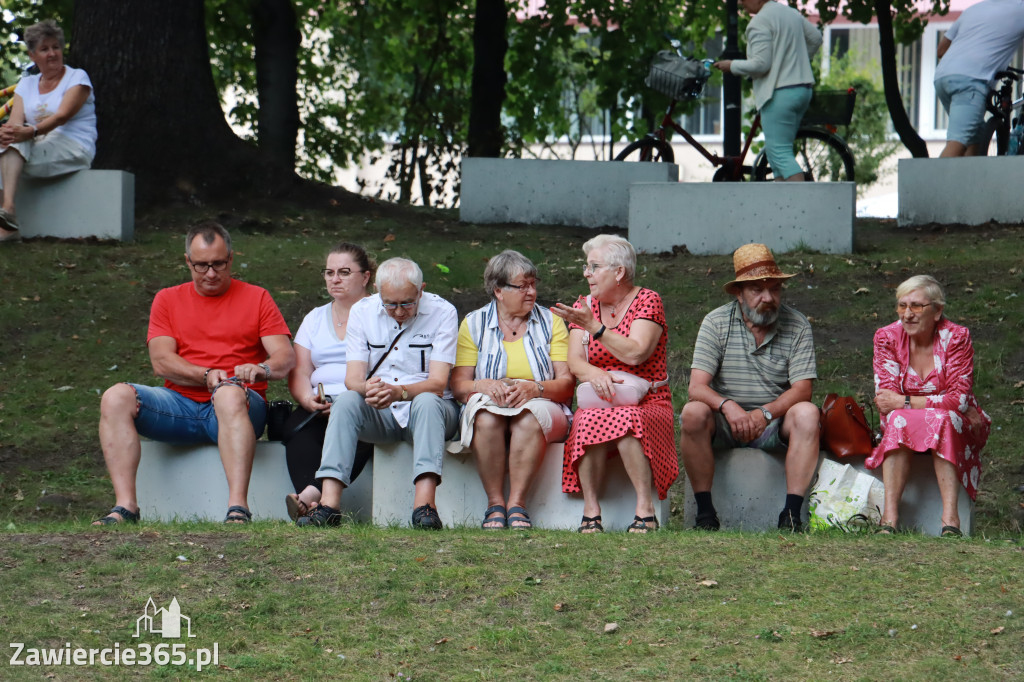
x=163, y=622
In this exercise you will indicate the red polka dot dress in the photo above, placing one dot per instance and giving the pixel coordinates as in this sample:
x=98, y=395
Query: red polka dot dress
x=651, y=421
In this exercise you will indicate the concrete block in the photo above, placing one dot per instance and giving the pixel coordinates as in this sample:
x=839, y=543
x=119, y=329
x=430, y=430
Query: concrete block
x=461, y=500
x=89, y=203
x=749, y=491
x=538, y=191
x=967, y=191
x=717, y=217
x=184, y=482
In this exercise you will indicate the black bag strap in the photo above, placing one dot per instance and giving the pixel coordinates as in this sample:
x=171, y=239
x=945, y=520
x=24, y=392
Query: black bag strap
x=391, y=346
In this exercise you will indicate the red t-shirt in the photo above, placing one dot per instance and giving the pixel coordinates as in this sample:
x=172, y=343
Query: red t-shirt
x=220, y=332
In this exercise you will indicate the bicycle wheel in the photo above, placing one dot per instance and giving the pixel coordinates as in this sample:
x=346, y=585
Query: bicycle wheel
x=823, y=156
x=996, y=126
x=647, y=149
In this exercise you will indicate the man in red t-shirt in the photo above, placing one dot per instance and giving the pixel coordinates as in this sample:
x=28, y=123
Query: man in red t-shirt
x=216, y=342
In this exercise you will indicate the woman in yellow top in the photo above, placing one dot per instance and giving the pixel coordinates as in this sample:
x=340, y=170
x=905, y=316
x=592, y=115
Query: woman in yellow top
x=512, y=374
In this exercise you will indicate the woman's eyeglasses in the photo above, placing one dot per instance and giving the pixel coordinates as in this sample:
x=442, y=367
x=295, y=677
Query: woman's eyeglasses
x=525, y=286
x=916, y=308
x=591, y=268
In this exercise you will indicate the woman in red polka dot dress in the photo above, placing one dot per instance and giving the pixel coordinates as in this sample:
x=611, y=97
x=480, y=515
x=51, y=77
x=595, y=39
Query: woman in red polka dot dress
x=624, y=329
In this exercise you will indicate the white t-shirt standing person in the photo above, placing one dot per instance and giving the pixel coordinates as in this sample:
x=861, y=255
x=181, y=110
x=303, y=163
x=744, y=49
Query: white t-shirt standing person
x=980, y=43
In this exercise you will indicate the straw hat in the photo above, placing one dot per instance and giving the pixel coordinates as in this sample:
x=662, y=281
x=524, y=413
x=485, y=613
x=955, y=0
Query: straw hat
x=753, y=262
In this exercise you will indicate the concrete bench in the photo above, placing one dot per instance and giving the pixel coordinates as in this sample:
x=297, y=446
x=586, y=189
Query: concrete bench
x=711, y=218
x=89, y=203
x=750, y=488
x=185, y=482
x=966, y=191
x=461, y=500
x=539, y=191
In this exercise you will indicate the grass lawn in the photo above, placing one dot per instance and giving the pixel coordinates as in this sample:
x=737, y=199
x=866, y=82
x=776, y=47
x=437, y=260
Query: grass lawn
x=366, y=603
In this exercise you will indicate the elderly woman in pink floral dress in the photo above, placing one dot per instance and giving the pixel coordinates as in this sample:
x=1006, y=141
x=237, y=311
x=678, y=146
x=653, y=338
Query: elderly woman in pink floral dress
x=924, y=374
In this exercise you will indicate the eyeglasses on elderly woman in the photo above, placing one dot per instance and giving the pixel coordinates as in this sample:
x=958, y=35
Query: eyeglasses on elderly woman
x=916, y=308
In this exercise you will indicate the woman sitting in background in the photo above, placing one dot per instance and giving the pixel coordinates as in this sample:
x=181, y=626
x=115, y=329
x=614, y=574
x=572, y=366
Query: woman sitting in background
x=320, y=359
x=512, y=374
x=52, y=127
x=924, y=374
x=622, y=327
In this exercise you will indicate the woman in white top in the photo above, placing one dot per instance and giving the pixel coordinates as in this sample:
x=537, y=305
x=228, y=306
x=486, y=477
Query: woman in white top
x=52, y=127
x=320, y=359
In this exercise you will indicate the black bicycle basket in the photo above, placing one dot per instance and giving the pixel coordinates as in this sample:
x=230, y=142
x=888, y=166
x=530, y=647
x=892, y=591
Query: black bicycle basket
x=678, y=77
x=830, y=108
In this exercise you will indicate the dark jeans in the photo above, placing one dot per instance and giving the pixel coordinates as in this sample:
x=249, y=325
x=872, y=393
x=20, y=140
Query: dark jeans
x=303, y=450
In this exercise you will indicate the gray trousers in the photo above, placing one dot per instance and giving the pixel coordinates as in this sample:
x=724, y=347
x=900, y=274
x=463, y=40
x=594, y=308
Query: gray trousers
x=432, y=422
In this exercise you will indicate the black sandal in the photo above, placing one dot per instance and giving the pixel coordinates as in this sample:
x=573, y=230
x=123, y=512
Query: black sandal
x=885, y=530
x=951, y=532
x=521, y=516
x=238, y=514
x=503, y=519
x=640, y=526
x=126, y=517
x=591, y=524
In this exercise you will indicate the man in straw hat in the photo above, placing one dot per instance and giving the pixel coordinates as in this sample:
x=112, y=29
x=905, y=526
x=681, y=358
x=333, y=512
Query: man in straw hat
x=750, y=385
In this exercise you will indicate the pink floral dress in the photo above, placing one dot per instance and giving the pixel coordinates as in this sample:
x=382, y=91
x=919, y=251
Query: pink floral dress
x=953, y=425
x=652, y=421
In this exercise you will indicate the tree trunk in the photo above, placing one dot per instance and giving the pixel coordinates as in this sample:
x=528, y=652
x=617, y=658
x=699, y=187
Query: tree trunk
x=276, y=38
x=157, y=108
x=890, y=79
x=490, y=43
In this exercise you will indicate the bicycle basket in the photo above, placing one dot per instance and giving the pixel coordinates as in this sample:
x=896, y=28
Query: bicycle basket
x=830, y=107
x=677, y=77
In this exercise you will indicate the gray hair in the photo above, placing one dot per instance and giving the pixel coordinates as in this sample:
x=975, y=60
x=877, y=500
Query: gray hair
x=504, y=267
x=209, y=231
x=927, y=284
x=618, y=252
x=397, y=272
x=37, y=33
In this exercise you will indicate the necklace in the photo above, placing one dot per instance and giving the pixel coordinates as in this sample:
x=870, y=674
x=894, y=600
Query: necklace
x=613, y=306
x=337, y=316
x=508, y=324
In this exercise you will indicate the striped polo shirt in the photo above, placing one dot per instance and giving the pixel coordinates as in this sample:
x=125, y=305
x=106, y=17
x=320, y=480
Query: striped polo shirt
x=754, y=375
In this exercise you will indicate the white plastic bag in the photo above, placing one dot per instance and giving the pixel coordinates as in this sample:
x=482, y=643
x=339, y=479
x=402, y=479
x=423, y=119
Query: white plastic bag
x=845, y=498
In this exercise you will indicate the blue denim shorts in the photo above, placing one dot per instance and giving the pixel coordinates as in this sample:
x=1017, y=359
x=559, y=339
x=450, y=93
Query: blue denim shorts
x=170, y=417
x=964, y=99
x=770, y=439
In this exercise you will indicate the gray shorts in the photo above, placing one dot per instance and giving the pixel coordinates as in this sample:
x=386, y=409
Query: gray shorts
x=770, y=439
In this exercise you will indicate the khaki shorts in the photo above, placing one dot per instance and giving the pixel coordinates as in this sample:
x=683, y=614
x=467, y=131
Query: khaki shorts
x=52, y=155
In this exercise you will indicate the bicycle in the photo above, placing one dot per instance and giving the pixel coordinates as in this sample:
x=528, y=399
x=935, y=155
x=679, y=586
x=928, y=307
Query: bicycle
x=1007, y=128
x=823, y=155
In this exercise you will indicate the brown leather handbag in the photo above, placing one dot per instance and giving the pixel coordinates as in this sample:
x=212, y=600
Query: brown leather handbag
x=845, y=431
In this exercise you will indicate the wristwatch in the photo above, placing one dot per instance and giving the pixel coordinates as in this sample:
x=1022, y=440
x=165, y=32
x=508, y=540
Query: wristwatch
x=405, y=393
x=767, y=414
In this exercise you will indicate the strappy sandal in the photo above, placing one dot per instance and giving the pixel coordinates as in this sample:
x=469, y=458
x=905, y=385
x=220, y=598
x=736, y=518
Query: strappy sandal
x=238, y=514
x=951, y=532
x=521, y=516
x=319, y=517
x=640, y=526
x=591, y=524
x=885, y=530
x=126, y=517
x=502, y=520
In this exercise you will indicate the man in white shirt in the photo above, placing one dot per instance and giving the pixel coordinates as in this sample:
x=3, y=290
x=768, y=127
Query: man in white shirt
x=400, y=348
x=980, y=43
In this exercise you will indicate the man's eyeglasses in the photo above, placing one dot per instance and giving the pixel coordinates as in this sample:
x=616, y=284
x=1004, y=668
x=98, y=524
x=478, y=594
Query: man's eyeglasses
x=408, y=305
x=526, y=286
x=202, y=268
x=344, y=272
x=591, y=268
x=916, y=308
